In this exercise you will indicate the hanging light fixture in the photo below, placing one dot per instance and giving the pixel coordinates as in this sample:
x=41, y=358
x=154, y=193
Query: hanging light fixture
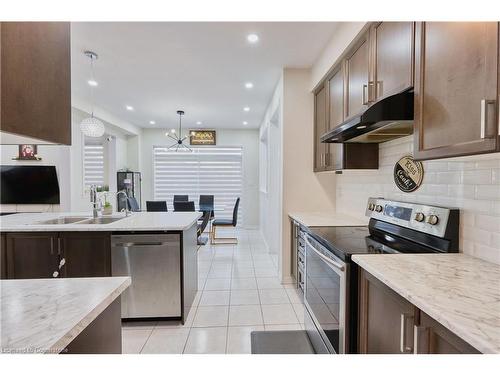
x=177, y=137
x=92, y=126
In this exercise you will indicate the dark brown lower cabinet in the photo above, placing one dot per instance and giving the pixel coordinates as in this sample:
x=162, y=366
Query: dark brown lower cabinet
x=86, y=254
x=385, y=319
x=3, y=258
x=389, y=324
x=31, y=255
x=432, y=338
x=38, y=255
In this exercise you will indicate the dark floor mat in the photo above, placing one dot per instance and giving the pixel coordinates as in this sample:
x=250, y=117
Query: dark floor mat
x=281, y=342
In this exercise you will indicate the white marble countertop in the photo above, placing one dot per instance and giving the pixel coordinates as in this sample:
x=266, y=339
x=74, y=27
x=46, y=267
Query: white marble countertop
x=459, y=291
x=45, y=315
x=326, y=219
x=137, y=221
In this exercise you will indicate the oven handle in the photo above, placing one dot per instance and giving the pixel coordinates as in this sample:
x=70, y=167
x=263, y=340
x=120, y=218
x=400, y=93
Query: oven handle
x=324, y=257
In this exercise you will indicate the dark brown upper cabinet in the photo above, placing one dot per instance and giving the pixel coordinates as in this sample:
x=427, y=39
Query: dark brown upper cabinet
x=336, y=103
x=35, y=81
x=392, y=46
x=320, y=128
x=357, y=77
x=456, y=89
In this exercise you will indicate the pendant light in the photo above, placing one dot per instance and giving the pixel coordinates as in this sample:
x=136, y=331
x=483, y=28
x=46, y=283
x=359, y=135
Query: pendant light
x=92, y=126
x=178, y=138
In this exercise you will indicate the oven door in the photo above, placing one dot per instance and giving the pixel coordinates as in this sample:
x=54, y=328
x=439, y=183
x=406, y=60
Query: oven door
x=325, y=297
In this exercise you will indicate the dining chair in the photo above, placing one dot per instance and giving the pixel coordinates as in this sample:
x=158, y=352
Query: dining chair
x=225, y=223
x=181, y=206
x=132, y=204
x=201, y=228
x=206, y=203
x=181, y=198
x=156, y=206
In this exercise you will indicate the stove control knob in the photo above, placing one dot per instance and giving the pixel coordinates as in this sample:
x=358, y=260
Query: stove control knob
x=432, y=219
x=378, y=208
x=419, y=216
x=371, y=206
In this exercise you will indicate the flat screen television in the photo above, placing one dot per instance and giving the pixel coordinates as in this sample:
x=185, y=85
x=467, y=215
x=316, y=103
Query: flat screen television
x=27, y=184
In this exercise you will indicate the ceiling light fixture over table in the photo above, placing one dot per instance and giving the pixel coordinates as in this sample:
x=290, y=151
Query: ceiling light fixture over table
x=178, y=138
x=91, y=126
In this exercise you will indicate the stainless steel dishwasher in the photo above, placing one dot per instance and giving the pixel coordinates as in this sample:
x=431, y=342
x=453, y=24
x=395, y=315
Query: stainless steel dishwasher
x=154, y=264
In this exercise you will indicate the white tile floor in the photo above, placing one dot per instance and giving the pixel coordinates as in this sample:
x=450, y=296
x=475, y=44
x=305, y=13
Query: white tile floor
x=239, y=292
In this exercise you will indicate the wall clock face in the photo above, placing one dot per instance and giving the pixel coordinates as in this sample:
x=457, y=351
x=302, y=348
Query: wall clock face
x=408, y=174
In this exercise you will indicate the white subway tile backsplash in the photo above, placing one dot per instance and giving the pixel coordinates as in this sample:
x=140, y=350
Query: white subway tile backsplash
x=475, y=177
x=488, y=192
x=471, y=184
x=449, y=177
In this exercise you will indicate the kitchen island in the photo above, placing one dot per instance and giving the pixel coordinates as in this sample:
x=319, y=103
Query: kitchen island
x=62, y=315
x=156, y=249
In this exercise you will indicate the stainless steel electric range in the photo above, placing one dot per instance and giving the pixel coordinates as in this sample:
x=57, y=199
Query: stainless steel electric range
x=331, y=278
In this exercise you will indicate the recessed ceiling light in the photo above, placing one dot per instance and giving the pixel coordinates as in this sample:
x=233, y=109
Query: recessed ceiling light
x=252, y=38
x=245, y=122
x=152, y=122
x=92, y=82
x=249, y=85
x=198, y=122
x=129, y=108
x=246, y=109
x=172, y=131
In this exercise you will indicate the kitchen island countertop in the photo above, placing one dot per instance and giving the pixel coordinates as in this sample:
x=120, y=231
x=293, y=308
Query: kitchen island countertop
x=45, y=315
x=459, y=291
x=137, y=221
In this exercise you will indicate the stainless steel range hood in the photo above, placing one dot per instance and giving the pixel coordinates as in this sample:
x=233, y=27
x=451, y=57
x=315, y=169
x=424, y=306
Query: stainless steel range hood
x=387, y=119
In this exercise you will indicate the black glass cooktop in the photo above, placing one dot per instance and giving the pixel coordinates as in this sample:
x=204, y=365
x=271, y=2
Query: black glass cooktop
x=345, y=241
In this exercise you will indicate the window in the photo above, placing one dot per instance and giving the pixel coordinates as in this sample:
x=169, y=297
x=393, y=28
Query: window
x=207, y=170
x=93, y=163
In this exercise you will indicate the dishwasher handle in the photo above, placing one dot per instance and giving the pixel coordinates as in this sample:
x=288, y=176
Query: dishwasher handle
x=139, y=244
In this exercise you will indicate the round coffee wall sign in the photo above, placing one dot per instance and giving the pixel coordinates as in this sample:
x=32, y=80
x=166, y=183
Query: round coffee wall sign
x=408, y=174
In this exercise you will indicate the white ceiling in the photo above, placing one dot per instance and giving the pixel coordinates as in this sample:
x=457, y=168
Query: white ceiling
x=199, y=67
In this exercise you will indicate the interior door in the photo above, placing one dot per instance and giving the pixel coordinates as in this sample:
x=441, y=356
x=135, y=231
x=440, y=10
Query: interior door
x=393, y=56
x=357, y=78
x=456, y=88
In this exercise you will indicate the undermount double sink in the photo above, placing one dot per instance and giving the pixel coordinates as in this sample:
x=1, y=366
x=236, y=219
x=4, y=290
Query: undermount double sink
x=80, y=220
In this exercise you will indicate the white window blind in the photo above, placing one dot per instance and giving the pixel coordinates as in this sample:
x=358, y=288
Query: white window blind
x=213, y=171
x=93, y=165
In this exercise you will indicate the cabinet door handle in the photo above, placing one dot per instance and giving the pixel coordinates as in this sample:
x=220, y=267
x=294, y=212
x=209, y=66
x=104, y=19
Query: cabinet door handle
x=402, y=339
x=51, y=245
x=417, y=345
x=371, y=87
x=378, y=87
x=363, y=96
x=484, y=115
x=58, y=246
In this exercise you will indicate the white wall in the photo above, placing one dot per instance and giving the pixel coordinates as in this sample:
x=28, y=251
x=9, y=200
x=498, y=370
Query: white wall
x=303, y=190
x=51, y=155
x=246, y=138
x=293, y=187
x=271, y=198
x=343, y=35
x=69, y=165
x=116, y=151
